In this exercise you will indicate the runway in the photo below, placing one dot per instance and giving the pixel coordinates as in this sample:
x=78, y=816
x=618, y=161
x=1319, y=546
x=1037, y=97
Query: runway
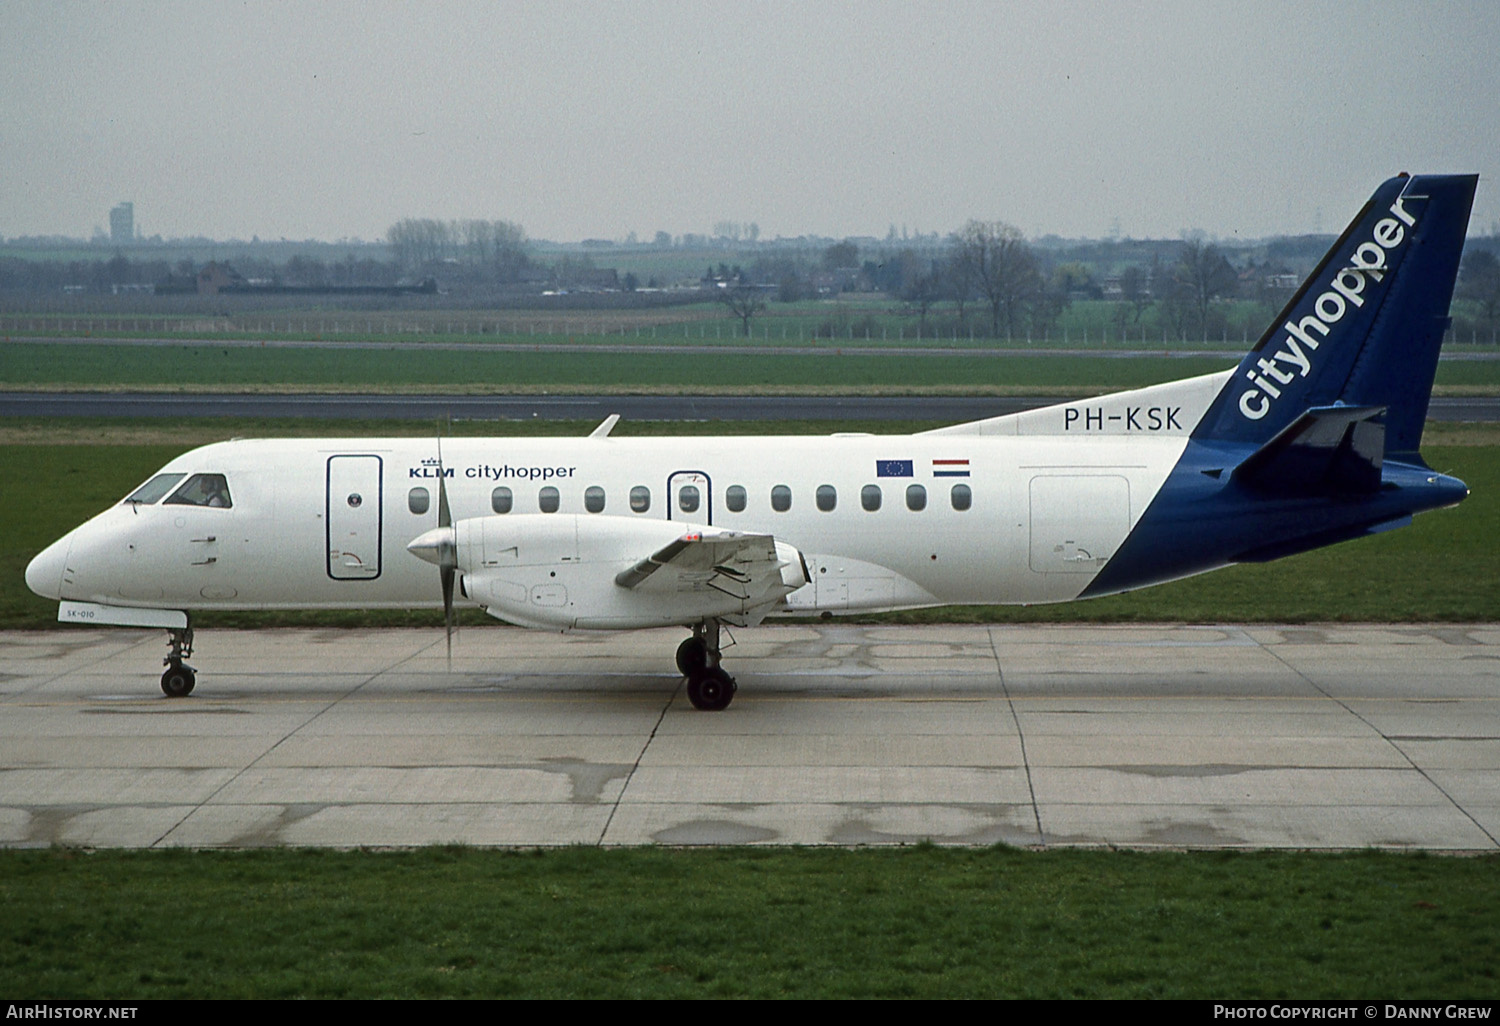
x=1321, y=737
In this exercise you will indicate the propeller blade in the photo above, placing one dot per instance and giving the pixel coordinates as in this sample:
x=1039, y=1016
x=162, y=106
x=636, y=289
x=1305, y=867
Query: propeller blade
x=445, y=517
x=448, y=554
x=447, y=573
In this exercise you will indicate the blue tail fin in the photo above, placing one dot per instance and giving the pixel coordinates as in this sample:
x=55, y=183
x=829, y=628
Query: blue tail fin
x=1365, y=328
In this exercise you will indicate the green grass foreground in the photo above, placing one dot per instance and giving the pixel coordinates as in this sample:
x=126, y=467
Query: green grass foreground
x=1440, y=569
x=203, y=367
x=894, y=923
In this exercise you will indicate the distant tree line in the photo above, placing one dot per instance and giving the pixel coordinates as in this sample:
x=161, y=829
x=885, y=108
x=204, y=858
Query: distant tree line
x=121, y=272
x=984, y=279
x=491, y=249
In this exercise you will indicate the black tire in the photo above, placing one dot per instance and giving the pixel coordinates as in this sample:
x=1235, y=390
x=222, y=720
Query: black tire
x=178, y=681
x=712, y=690
x=692, y=656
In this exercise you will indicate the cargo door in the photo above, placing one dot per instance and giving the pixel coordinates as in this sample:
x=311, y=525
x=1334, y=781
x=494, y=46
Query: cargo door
x=1077, y=521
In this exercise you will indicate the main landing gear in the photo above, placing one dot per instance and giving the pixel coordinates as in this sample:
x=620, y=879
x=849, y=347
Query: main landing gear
x=709, y=688
x=179, y=679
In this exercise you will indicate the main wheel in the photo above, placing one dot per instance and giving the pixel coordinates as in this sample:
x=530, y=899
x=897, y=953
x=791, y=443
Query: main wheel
x=711, y=690
x=692, y=656
x=178, y=681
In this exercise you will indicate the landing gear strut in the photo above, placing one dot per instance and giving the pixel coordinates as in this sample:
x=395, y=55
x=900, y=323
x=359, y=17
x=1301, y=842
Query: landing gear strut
x=709, y=688
x=179, y=679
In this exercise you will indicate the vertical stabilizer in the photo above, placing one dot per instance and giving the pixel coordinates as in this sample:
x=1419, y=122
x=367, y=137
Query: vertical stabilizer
x=1366, y=326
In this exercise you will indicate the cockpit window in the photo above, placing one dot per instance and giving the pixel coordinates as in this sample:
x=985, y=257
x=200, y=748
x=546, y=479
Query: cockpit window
x=154, y=489
x=202, y=490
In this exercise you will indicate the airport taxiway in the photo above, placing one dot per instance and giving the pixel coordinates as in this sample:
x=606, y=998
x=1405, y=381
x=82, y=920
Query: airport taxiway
x=682, y=407
x=1306, y=737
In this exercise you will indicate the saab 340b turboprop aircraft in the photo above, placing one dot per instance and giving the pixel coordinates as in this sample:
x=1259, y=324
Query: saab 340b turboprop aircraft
x=1311, y=440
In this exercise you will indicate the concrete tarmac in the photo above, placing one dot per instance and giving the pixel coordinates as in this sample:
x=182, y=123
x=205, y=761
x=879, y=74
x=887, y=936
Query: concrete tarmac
x=1308, y=737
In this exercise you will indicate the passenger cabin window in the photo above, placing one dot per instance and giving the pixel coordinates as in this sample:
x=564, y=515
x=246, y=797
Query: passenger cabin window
x=827, y=498
x=916, y=498
x=688, y=498
x=202, y=490
x=640, y=499
x=501, y=500
x=781, y=498
x=962, y=497
x=154, y=489
x=418, y=500
x=734, y=498
x=547, y=499
x=593, y=499
x=869, y=497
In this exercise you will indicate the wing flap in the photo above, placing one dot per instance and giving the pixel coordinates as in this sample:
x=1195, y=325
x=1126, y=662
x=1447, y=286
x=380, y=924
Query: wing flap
x=742, y=565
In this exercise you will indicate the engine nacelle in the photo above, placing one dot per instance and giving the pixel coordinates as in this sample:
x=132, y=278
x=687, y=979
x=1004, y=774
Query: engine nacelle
x=565, y=572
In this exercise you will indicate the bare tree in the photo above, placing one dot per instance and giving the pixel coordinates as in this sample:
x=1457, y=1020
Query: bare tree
x=417, y=242
x=922, y=293
x=958, y=274
x=497, y=247
x=841, y=255
x=744, y=301
x=1135, y=289
x=1003, y=267
x=1202, y=275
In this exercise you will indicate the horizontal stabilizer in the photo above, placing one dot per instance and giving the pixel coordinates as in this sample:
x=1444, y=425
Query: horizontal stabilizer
x=1328, y=450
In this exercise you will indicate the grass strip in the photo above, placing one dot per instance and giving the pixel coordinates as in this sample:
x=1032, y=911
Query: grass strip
x=667, y=923
x=199, y=366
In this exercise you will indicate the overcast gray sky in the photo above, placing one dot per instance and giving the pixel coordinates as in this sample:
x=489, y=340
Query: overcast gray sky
x=329, y=120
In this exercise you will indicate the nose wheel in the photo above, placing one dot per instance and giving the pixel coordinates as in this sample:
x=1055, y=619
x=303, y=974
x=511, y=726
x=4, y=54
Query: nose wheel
x=709, y=688
x=179, y=679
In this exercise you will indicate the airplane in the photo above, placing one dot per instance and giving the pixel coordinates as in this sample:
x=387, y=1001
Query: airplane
x=1312, y=439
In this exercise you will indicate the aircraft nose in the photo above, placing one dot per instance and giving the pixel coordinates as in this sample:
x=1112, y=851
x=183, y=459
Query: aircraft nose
x=44, y=573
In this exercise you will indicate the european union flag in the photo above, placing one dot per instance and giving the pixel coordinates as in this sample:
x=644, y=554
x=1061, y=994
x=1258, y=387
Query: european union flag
x=893, y=468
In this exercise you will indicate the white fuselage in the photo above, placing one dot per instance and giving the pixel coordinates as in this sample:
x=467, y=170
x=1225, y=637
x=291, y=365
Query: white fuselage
x=1019, y=509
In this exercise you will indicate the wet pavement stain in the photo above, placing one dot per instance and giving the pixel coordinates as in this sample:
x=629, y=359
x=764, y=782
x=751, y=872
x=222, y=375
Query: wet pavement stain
x=47, y=824
x=714, y=831
x=1304, y=636
x=1447, y=635
x=588, y=778
x=161, y=708
x=999, y=828
x=1191, y=835
x=270, y=835
x=1200, y=770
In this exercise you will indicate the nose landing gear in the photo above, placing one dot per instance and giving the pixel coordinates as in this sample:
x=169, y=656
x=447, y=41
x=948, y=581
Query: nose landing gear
x=179, y=679
x=709, y=688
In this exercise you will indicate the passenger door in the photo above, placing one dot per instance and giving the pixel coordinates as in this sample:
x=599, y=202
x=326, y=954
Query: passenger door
x=353, y=513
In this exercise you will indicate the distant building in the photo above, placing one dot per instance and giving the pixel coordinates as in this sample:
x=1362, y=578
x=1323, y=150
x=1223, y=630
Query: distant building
x=216, y=277
x=122, y=223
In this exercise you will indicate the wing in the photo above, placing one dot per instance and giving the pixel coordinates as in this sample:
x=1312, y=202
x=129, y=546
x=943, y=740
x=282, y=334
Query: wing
x=746, y=567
